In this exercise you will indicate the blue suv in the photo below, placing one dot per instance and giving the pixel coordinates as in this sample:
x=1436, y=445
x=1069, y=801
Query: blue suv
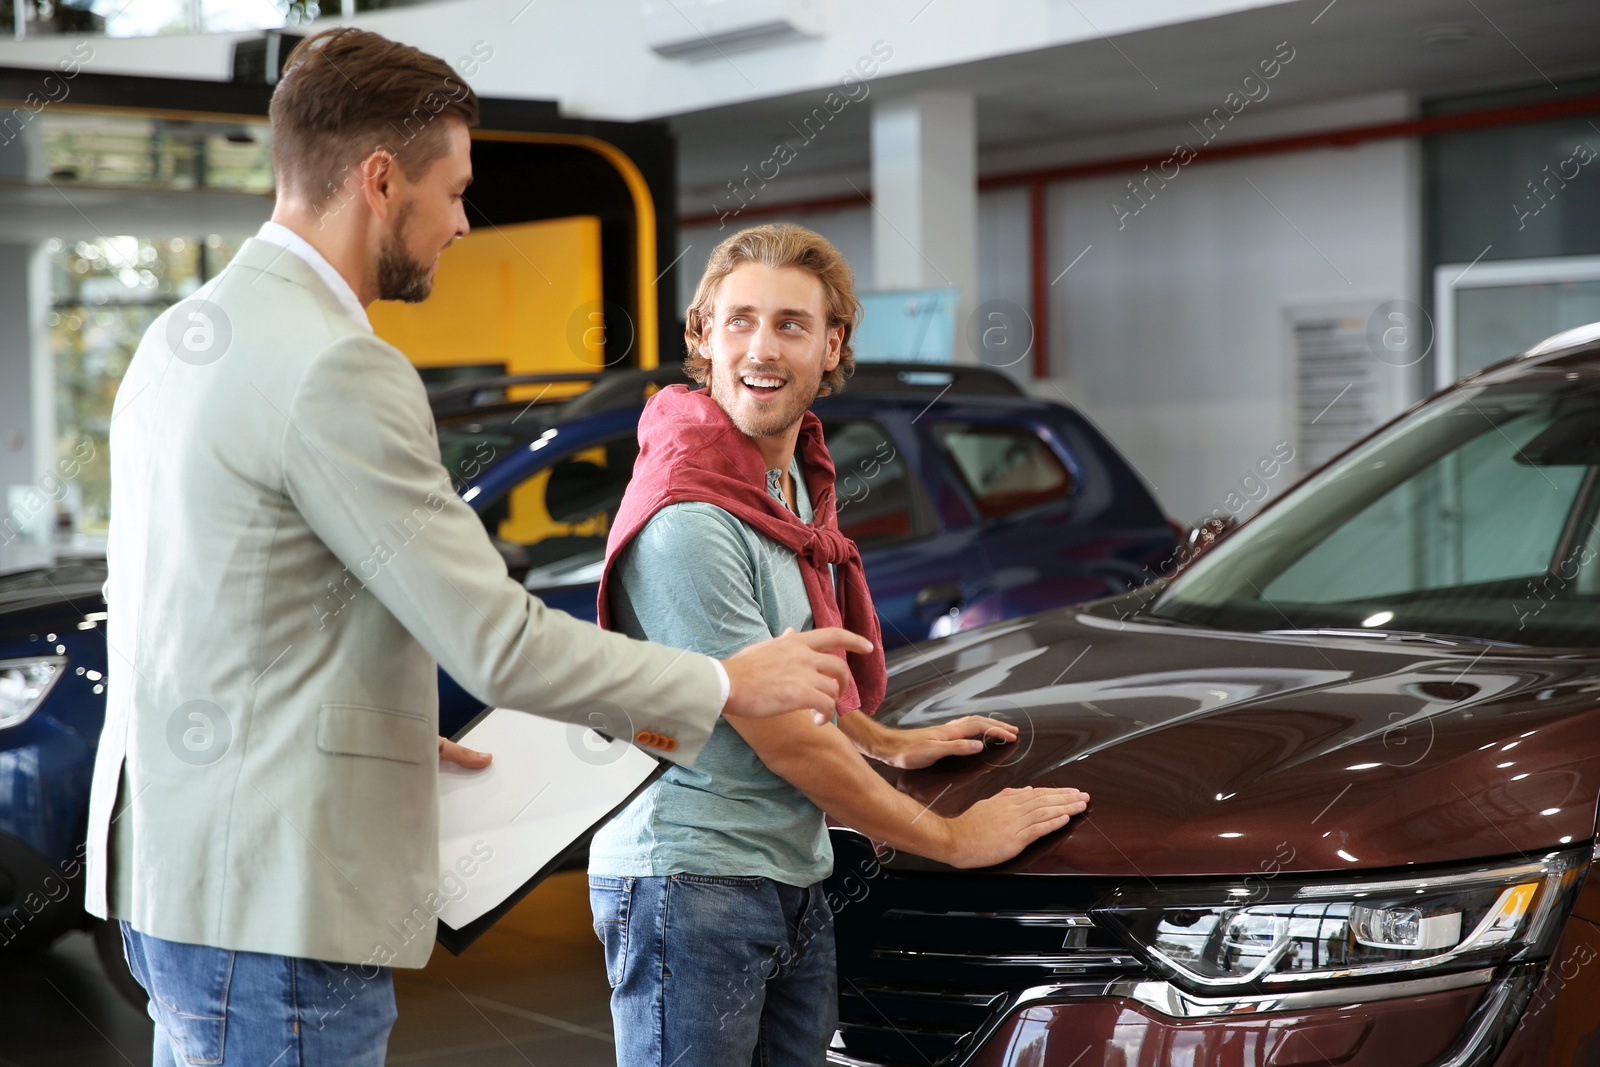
x=971, y=503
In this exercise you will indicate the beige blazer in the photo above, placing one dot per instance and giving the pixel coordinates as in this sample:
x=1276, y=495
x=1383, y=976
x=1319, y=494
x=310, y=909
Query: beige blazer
x=288, y=563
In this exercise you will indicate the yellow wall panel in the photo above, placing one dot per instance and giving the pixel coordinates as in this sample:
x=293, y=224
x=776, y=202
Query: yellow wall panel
x=513, y=295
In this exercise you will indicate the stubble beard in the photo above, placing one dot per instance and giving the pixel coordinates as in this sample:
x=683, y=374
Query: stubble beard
x=726, y=390
x=400, y=277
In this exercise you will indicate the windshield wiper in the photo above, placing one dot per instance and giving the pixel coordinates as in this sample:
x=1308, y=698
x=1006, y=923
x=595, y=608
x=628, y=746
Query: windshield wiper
x=1398, y=636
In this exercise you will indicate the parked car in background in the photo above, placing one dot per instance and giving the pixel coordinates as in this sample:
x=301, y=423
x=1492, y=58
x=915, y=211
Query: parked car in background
x=52, y=705
x=1345, y=769
x=970, y=502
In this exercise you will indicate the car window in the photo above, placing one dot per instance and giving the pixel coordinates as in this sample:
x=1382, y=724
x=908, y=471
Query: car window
x=1585, y=559
x=1476, y=517
x=552, y=527
x=1488, y=516
x=873, y=482
x=1005, y=468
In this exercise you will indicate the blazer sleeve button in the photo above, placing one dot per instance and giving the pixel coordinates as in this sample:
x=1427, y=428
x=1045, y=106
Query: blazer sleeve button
x=651, y=739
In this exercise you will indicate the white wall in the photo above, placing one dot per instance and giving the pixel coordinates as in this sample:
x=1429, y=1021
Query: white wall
x=208, y=56
x=27, y=397
x=1002, y=247
x=1170, y=331
x=848, y=229
x=1004, y=286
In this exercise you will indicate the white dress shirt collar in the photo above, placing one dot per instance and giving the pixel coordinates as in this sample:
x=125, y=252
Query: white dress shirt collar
x=283, y=237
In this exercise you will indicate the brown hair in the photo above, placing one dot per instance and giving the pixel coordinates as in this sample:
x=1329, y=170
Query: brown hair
x=346, y=93
x=780, y=245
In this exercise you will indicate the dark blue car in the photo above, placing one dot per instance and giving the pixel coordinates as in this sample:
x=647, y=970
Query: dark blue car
x=971, y=503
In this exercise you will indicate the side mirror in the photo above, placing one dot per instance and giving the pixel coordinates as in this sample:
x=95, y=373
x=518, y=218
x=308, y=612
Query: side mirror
x=1210, y=530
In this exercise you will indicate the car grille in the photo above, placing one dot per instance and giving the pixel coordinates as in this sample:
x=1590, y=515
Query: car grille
x=927, y=961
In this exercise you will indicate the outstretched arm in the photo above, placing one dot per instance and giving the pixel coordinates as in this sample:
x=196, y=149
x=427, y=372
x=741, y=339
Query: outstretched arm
x=361, y=463
x=825, y=766
x=687, y=579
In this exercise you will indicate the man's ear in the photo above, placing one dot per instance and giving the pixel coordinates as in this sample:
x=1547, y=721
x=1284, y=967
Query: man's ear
x=378, y=173
x=835, y=347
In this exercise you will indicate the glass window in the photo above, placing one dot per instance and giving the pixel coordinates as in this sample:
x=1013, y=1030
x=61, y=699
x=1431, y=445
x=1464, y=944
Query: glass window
x=121, y=150
x=1006, y=468
x=1495, y=322
x=1500, y=194
x=1522, y=188
x=872, y=482
x=144, y=18
x=1475, y=518
x=41, y=17
x=232, y=16
x=106, y=291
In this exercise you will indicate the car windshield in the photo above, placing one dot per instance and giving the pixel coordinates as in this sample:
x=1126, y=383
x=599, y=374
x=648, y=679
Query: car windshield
x=1474, y=518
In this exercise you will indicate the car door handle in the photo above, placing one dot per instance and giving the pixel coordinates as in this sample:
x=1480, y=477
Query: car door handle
x=939, y=598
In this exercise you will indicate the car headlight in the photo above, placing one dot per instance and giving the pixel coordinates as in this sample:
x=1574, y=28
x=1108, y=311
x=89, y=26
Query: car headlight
x=24, y=683
x=1288, y=933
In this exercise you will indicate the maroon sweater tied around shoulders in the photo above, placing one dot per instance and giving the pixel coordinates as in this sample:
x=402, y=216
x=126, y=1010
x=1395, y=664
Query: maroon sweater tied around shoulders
x=689, y=449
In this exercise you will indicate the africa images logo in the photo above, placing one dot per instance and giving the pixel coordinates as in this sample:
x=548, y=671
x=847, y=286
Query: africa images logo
x=198, y=332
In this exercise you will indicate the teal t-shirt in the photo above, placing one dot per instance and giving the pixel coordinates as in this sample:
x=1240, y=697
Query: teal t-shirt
x=696, y=577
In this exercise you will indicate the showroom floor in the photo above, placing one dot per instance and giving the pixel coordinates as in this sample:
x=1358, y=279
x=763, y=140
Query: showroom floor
x=532, y=991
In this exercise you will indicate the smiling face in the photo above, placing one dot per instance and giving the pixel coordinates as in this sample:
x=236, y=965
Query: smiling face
x=430, y=213
x=769, y=343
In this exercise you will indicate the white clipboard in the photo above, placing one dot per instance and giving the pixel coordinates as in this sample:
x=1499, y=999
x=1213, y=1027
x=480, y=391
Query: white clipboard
x=505, y=828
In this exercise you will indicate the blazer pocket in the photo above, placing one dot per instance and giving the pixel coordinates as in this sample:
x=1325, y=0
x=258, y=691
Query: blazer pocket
x=358, y=730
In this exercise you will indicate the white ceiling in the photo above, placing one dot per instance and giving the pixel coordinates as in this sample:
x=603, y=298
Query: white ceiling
x=1088, y=99
x=1046, y=104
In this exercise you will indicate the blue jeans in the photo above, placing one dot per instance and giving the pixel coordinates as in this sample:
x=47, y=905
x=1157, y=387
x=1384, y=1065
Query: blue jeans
x=717, y=972
x=248, y=1009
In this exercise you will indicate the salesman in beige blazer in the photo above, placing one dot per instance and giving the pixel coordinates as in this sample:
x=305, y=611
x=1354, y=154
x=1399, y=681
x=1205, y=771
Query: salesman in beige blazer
x=265, y=801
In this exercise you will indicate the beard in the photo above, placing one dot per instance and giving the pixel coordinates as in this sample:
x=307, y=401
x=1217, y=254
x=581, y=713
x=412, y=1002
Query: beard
x=763, y=420
x=400, y=277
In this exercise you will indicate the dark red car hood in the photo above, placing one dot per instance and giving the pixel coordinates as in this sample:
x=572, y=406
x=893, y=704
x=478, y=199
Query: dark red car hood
x=1208, y=752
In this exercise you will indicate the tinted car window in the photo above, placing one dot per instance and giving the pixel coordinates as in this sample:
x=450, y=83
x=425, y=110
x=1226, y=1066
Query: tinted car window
x=1487, y=516
x=1005, y=468
x=876, y=504
x=1474, y=518
x=1587, y=556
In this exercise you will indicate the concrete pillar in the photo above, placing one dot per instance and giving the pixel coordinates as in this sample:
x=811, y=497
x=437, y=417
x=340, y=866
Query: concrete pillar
x=27, y=383
x=27, y=386
x=925, y=196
